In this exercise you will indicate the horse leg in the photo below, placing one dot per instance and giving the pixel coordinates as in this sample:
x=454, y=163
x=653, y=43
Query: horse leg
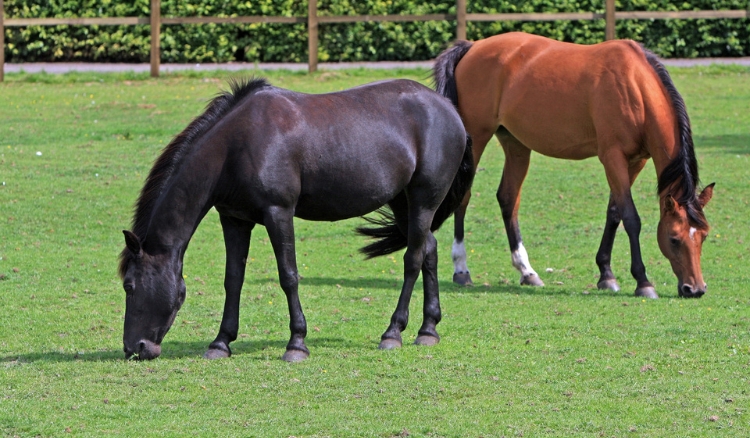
x=418, y=229
x=279, y=223
x=237, y=243
x=516, y=167
x=604, y=254
x=431, y=308
x=461, y=273
x=619, y=175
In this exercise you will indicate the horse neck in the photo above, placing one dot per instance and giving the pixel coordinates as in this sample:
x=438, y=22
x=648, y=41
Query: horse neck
x=662, y=153
x=184, y=201
x=662, y=140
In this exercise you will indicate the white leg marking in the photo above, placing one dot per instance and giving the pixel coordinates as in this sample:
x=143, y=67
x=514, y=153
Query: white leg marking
x=692, y=233
x=521, y=262
x=458, y=253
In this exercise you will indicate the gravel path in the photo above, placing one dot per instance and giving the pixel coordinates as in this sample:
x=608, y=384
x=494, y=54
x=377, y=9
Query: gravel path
x=64, y=67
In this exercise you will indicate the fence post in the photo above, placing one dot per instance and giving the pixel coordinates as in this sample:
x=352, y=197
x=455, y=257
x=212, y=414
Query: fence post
x=312, y=36
x=609, y=18
x=2, y=42
x=155, y=37
x=460, y=19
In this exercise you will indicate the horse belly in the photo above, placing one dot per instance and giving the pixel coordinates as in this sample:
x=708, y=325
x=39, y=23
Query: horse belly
x=352, y=190
x=551, y=123
x=337, y=207
x=556, y=143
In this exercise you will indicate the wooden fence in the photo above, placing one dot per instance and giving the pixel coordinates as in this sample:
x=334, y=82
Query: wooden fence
x=313, y=20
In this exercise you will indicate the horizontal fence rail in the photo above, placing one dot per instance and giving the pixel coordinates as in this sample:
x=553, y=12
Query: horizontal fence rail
x=75, y=21
x=232, y=20
x=313, y=20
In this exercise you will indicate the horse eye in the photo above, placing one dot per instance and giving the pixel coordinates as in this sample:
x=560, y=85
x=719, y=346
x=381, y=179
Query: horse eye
x=674, y=241
x=128, y=287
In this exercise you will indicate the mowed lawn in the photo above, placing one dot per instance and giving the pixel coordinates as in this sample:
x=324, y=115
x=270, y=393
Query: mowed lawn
x=563, y=360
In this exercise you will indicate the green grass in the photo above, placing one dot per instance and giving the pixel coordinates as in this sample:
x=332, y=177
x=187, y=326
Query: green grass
x=565, y=359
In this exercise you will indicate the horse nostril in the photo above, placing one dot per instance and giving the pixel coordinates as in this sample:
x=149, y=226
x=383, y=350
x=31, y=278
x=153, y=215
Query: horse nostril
x=687, y=291
x=141, y=346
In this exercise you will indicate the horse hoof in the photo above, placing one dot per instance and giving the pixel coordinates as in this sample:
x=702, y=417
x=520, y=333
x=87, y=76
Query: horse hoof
x=427, y=340
x=389, y=344
x=462, y=278
x=531, y=280
x=609, y=285
x=292, y=356
x=646, y=292
x=215, y=353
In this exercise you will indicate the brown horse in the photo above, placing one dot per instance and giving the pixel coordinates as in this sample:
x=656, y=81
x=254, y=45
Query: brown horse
x=613, y=100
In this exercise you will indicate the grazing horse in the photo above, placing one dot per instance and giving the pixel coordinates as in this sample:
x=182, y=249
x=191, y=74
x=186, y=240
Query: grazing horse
x=614, y=101
x=263, y=155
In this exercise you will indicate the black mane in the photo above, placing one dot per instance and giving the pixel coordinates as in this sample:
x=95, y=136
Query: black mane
x=682, y=172
x=172, y=154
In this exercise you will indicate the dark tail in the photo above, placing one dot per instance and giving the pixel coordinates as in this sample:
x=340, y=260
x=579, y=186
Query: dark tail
x=389, y=235
x=443, y=70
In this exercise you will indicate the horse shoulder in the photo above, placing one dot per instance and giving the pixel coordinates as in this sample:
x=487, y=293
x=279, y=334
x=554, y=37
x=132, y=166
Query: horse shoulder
x=623, y=81
x=649, y=99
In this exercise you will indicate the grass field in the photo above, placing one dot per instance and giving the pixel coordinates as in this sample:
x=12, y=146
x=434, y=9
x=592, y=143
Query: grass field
x=563, y=360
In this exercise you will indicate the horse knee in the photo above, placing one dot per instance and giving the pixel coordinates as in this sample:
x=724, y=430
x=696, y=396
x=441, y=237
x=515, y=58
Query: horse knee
x=430, y=254
x=412, y=268
x=288, y=280
x=430, y=261
x=632, y=223
x=613, y=214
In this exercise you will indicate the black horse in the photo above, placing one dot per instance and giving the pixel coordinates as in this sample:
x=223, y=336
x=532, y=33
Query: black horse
x=262, y=155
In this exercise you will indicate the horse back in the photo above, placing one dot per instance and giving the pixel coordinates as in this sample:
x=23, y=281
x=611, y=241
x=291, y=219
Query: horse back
x=339, y=155
x=560, y=99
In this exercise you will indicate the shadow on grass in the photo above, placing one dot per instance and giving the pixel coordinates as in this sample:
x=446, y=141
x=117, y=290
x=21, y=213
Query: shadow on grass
x=175, y=350
x=365, y=283
x=450, y=287
x=728, y=144
x=548, y=290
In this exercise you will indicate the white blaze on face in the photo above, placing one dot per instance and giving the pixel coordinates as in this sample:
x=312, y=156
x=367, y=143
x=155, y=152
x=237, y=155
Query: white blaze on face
x=458, y=254
x=692, y=233
x=521, y=261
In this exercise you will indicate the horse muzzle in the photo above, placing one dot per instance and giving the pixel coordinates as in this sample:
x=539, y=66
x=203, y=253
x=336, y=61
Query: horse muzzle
x=143, y=350
x=688, y=291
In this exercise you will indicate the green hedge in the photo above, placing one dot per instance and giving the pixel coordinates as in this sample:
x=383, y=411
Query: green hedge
x=345, y=42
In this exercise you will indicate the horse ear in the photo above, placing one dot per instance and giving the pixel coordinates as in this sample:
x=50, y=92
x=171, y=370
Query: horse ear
x=133, y=243
x=706, y=195
x=670, y=205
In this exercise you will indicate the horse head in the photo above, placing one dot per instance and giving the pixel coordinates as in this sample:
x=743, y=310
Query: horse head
x=681, y=238
x=155, y=291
